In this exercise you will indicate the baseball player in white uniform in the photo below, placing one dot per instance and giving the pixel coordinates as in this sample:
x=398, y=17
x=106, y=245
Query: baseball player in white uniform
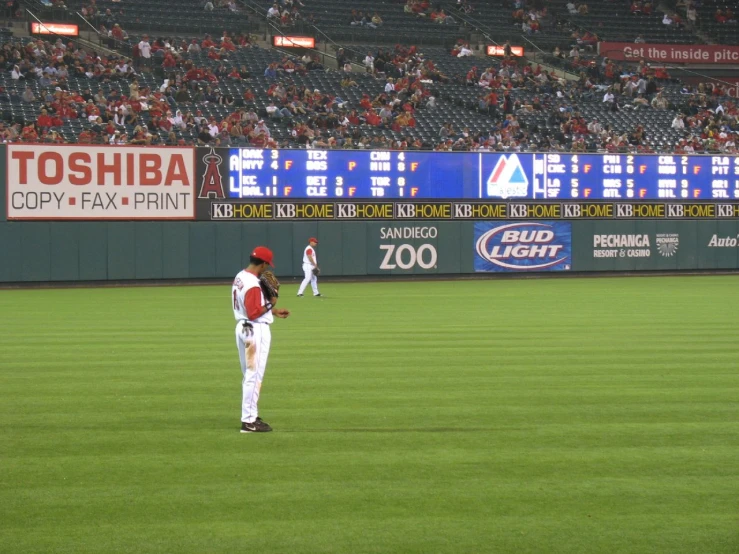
x=310, y=268
x=254, y=314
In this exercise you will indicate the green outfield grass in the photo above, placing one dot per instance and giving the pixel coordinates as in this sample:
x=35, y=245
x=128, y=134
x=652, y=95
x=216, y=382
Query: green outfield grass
x=522, y=416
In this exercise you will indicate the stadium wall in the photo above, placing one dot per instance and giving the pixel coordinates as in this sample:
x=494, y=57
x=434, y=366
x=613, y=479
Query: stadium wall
x=691, y=237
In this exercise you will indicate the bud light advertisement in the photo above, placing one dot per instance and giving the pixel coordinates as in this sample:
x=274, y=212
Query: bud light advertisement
x=520, y=246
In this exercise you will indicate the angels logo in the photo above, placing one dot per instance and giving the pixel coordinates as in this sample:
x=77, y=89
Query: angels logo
x=212, y=184
x=667, y=244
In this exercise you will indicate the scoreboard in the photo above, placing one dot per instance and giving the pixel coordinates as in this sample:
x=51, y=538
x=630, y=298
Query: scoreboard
x=263, y=174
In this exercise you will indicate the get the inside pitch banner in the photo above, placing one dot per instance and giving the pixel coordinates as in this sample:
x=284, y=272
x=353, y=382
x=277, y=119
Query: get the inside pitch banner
x=219, y=210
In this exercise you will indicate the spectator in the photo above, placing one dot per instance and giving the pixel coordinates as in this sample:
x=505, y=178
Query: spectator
x=144, y=50
x=677, y=123
x=28, y=95
x=44, y=120
x=194, y=48
x=692, y=15
x=271, y=71
x=369, y=62
x=659, y=102
x=465, y=51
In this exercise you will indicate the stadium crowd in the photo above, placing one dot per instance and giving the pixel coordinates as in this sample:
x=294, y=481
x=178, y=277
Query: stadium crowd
x=508, y=91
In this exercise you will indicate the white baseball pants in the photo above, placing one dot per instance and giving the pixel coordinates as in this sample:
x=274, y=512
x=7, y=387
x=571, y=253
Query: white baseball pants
x=309, y=278
x=253, y=352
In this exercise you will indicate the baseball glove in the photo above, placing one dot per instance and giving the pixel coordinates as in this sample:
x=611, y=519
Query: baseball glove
x=270, y=285
x=316, y=271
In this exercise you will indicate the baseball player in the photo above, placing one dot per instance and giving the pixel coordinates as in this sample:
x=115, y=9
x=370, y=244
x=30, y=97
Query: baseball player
x=254, y=312
x=310, y=268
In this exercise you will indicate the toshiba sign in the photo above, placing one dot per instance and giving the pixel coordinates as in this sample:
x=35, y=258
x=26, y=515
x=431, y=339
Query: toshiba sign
x=99, y=182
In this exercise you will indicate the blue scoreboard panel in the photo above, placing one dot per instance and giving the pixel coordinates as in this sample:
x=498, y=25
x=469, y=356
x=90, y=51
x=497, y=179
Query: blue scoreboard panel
x=364, y=174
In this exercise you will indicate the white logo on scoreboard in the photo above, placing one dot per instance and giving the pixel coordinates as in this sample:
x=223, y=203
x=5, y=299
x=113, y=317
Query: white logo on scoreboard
x=508, y=179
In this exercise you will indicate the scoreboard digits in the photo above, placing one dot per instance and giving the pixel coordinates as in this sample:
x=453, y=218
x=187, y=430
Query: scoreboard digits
x=389, y=175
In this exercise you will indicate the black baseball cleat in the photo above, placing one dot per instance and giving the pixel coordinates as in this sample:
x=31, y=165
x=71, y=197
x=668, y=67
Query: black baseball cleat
x=300, y=295
x=319, y=294
x=256, y=426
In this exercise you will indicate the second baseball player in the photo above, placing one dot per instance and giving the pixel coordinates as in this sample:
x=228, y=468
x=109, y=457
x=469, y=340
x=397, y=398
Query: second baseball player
x=310, y=268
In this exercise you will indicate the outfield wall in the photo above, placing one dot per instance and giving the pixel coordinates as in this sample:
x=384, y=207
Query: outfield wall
x=195, y=240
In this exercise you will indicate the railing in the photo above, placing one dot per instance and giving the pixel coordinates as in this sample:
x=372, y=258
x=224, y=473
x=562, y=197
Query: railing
x=472, y=22
x=104, y=40
x=300, y=28
x=31, y=16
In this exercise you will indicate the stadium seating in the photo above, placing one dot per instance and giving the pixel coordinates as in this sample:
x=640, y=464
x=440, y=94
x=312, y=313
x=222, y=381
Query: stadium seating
x=614, y=22
x=722, y=33
x=540, y=111
x=188, y=17
x=333, y=17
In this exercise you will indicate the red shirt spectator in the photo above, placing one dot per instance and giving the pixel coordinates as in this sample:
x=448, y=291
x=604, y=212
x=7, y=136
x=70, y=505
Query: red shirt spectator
x=117, y=32
x=372, y=118
x=29, y=134
x=44, y=120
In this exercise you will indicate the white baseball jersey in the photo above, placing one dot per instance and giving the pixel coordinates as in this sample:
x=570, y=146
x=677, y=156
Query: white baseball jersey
x=309, y=251
x=243, y=282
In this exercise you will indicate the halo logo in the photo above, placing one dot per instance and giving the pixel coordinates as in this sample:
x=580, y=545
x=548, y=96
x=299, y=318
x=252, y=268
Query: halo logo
x=523, y=246
x=667, y=244
x=212, y=183
x=508, y=179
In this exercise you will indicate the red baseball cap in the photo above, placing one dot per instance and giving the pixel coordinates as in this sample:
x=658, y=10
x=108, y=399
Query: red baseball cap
x=263, y=253
x=313, y=239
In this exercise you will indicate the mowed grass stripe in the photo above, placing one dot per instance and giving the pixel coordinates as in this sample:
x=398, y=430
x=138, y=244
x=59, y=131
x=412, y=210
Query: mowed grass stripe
x=477, y=416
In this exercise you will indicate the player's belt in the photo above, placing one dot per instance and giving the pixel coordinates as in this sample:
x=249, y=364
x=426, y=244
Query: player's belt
x=248, y=323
